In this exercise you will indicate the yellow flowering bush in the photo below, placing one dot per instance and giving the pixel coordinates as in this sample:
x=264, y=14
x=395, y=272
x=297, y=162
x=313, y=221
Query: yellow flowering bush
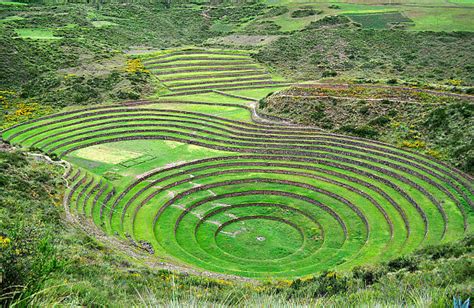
x=417, y=144
x=15, y=111
x=434, y=153
x=455, y=82
x=135, y=66
x=4, y=241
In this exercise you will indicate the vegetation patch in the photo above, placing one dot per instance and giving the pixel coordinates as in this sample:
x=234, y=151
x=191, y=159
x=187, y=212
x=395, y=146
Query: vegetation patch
x=401, y=55
x=107, y=154
x=61, y=263
x=304, y=13
x=405, y=117
x=103, y=23
x=36, y=34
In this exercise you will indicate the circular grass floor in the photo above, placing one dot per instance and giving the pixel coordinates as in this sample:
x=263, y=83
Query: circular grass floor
x=246, y=198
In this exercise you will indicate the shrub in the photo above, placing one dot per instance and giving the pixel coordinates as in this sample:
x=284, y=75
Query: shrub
x=329, y=21
x=329, y=73
x=379, y=121
x=326, y=284
x=405, y=262
x=368, y=274
x=28, y=258
x=364, y=131
x=364, y=109
x=276, y=11
x=305, y=13
x=318, y=112
x=448, y=250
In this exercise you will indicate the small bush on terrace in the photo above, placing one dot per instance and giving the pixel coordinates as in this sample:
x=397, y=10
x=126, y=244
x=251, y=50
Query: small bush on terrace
x=305, y=13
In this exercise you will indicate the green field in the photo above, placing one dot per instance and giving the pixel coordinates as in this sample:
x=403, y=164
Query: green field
x=426, y=15
x=378, y=20
x=36, y=34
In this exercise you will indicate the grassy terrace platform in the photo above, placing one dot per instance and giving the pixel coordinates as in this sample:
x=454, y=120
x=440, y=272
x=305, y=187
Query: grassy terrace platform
x=202, y=71
x=205, y=185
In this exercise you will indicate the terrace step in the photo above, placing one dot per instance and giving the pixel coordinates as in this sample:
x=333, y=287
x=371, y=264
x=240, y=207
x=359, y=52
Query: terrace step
x=252, y=68
x=217, y=81
x=201, y=52
x=216, y=76
x=198, y=64
x=202, y=58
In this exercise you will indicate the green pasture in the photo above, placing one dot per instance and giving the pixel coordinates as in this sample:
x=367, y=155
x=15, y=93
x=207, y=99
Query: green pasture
x=377, y=20
x=37, y=34
x=103, y=23
x=426, y=15
x=11, y=18
x=13, y=3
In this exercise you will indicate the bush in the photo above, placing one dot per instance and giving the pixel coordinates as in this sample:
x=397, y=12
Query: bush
x=329, y=21
x=379, y=121
x=368, y=274
x=329, y=73
x=448, y=250
x=405, y=262
x=305, y=13
x=364, y=131
x=276, y=11
x=326, y=284
x=29, y=258
x=364, y=109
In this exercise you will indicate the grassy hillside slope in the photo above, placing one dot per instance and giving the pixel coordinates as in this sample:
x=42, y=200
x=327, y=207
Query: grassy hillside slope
x=438, y=125
x=370, y=55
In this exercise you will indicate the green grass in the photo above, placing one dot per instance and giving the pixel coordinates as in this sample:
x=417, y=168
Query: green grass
x=441, y=19
x=426, y=15
x=212, y=98
x=13, y=3
x=103, y=274
x=255, y=93
x=103, y=23
x=36, y=34
x=11, y=18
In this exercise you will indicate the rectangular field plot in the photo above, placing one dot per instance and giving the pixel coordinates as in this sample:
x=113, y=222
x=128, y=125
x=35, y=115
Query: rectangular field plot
x=136, y=161
x=107, y=154
x=379, y=20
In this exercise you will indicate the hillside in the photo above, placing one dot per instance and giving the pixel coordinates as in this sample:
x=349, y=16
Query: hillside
x=437, y=124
